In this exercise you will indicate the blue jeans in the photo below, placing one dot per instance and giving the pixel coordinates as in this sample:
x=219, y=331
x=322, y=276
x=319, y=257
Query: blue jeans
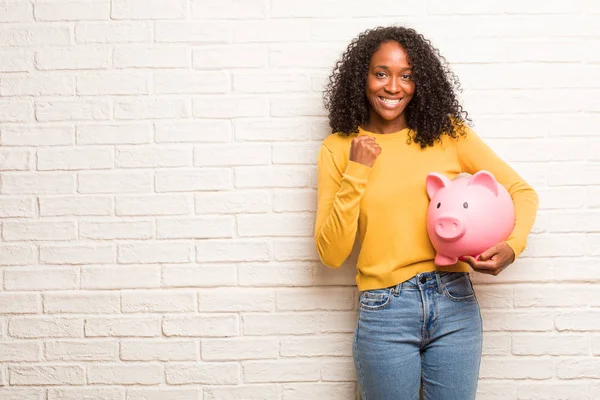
x=424, y=331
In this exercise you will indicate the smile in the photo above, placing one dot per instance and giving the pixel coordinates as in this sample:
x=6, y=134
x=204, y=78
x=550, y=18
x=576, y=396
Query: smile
x=391, y=102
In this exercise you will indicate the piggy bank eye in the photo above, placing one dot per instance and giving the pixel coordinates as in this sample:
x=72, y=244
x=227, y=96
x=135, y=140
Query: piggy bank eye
x=466, y=205
x=439, y=204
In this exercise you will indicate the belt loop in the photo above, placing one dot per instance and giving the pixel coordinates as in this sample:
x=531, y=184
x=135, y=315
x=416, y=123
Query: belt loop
x=438, y=279
x=396, y=289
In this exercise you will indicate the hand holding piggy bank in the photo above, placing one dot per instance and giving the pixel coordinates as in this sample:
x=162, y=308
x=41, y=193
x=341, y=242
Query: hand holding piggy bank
x=467, y=216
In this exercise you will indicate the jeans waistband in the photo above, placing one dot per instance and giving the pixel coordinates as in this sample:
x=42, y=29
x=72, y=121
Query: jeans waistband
x=424, y=280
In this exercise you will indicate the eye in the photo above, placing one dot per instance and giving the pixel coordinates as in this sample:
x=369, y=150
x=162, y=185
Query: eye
x=466, y=205
x=438, y=205
x=380, y=74
x=407, y=77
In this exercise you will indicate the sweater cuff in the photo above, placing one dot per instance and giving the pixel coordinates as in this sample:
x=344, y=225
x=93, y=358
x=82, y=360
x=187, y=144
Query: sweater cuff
x=357, y=170
x=517, y=248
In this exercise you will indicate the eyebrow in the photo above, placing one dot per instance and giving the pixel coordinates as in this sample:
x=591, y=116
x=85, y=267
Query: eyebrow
x=387, y=68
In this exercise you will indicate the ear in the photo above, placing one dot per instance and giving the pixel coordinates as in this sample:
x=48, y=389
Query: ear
x=485, y=179
x=435, y=182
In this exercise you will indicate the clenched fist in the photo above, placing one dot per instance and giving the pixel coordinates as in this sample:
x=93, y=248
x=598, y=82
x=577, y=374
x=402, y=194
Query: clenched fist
x=364, y=150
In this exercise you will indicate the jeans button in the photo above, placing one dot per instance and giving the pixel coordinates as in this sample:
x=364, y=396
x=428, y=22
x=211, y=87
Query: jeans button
x=423, y=279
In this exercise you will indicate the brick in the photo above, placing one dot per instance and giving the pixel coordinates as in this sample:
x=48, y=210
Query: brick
x=82, y=302
x=159, y=350
x=193, y=32
x=578, y=368
x=175, y=82
x=281, y=371
x=193, y=131
x=151, y=108
x=298, y=249
x=158, y=301
x=265, y=31
x=14, y=110
x=20, y=303
x=157, y=204
x=246, y=392
x=46, y=375
x=148, y=9
x=232, y=202
x=298, y=106
x=69, y=110
x=230, y=56
x=54, y=278
x=335, y=346
x=114, y=134
x=240, y=349
x=495, y=344
x=315, y=299
x=23, y=394
x=516, y=368
x=17, y=351
x=16, y=11
x=314, y=55
x=578, y=321
x=45, y=327
x=300, y=391
x=337, y=322
x=73, y=350
x=115, y=182
x=497, y=390
x=500, y=320
x=14, y=160
x=121, y=374
x=72, y=58
x=280, y=324
x=39, y=230
x=142, y=56
x=72, y=10
x=155, y=252
x=294, y=200
x=275, y=225
x=275, y=275
x=43, y=84
x=144, y=157
x=88, y=393
x=75, y=159
x=272, y=82
x=556, y=246
x=295, y=153
x=18, y=60
x=99, y=83
x=128, y=326
x=38, y=183
x=228, y=9
x=235, y=300
x=17, y=254
x=207, y=325
x=273, y=130
x=198, y=228
x=198, y=276
x=338, y=371
x=120, y=277
x=164, y=393
x=193, y=180
x=20, y=35
x=113, y=32
x=232, y=251
x=355, y=8
x=13, y=207
x=77, y=254
x=229, y=106
x=555, y=345
x=79, y=205
x=229, y=155
x=275, y=176
x=553, y=390
x=203, y=373
x=548, y=296
x=20, y=135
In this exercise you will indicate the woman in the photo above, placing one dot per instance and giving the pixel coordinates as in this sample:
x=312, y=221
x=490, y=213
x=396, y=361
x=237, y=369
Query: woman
x=396, y=118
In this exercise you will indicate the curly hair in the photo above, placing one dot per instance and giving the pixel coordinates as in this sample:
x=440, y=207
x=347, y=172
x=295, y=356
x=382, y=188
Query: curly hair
x=434, y=109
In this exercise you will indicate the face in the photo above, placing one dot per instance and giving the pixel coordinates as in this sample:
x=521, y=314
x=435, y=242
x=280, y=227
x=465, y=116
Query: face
x=390, y=86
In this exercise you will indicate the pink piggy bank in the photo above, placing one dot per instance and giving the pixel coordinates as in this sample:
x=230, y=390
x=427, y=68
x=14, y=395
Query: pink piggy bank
x=467, y=216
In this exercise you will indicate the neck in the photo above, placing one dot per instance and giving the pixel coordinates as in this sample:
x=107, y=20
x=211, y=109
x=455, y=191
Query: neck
x=376, y=124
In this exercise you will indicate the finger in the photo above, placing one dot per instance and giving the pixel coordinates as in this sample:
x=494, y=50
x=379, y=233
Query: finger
x=489, y=265
x=469, y=260
x=489, y=253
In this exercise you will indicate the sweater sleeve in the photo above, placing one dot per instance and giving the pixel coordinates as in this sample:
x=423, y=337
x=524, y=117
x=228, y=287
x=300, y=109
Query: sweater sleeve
x=339, y=194
x=475, y=155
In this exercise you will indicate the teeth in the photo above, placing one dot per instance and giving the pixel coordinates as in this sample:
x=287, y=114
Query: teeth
x=388, y=101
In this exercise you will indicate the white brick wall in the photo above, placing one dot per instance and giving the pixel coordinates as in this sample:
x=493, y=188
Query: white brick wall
x=158, y=193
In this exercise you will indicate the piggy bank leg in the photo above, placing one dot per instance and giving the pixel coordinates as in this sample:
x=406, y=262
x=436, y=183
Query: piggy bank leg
x=442, y=260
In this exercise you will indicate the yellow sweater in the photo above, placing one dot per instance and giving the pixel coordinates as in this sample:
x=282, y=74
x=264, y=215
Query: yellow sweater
x=388, y=203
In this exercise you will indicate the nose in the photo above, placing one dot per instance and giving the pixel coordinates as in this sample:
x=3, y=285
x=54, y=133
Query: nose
x=449, y=228
x=393, y=86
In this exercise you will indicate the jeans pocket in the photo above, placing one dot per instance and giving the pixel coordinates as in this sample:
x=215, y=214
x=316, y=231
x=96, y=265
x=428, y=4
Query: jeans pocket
x=459, y=287
x=374, y=299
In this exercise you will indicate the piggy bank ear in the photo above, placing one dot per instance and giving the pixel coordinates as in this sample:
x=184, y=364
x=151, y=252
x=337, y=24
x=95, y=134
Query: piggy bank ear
x=436, y=182
x=485, y=179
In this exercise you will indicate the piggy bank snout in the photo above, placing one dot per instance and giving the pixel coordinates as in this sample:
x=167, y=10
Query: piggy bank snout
x=449, y=228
